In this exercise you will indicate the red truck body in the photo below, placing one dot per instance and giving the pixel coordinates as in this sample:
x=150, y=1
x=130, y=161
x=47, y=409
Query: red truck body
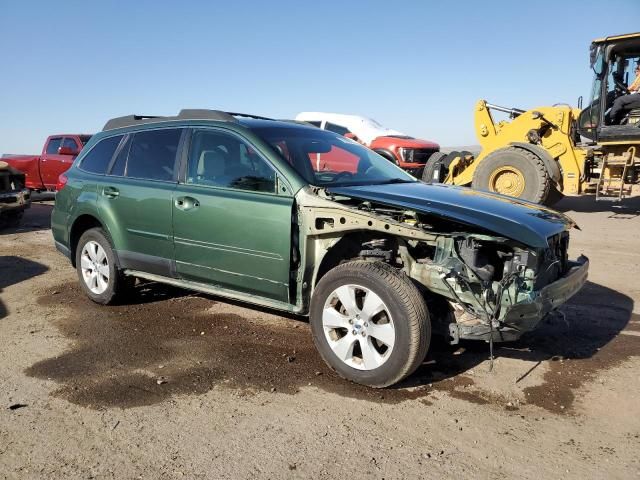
x=405, y=151
x=42, y=171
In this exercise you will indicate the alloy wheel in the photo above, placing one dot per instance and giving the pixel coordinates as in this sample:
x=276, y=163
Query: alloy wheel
x=358, y=327
x=94, y=265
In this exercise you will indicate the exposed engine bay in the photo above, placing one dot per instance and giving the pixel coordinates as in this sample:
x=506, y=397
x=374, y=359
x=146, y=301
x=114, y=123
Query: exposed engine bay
x=479, y=285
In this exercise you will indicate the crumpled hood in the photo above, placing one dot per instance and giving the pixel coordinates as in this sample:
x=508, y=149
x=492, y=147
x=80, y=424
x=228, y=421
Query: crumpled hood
x=518, y=220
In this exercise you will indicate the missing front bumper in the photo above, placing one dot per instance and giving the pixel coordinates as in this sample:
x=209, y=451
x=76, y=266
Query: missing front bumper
x=526, y=315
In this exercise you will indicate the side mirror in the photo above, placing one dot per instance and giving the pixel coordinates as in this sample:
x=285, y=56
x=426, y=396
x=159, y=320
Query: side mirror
x=67, y=151
x=536, y=115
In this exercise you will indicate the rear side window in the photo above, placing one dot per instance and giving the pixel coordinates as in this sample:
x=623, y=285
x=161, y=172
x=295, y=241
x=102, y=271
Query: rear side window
x=53, y=146
x=152, y=154
x=121, y=158
x=98, y=158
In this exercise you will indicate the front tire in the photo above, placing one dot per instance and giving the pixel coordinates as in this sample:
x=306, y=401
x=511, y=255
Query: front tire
x=98, y=273
x=370, y=323
x=514, y=172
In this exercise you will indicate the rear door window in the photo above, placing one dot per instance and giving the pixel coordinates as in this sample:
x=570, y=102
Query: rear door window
x=152, y=154
x=54, y=145
x=98, y=158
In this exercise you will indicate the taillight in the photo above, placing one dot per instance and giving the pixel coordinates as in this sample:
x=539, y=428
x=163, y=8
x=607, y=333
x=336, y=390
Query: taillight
x=62, y=181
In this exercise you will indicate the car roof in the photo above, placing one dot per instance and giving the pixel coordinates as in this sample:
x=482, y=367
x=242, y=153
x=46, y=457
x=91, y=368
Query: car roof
x=196, y=117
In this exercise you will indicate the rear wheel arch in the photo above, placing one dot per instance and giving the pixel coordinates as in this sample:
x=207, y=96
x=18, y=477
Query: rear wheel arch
x=80, y=225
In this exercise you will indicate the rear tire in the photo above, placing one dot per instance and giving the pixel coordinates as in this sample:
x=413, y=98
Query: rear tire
x=98, y=273
x=434, y=163
x=514, y=172
x=380, y=334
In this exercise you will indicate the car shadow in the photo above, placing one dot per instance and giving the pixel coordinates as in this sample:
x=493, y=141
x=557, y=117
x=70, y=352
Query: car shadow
x=626, y=209
x=588, y=326
x=37, y=217
x=146, y=291
x=21, y=269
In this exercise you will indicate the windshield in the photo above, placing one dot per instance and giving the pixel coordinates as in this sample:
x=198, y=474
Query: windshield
x=325, y=159
x=85, y=139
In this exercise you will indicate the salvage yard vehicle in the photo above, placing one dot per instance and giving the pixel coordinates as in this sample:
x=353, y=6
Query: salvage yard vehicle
x=42, y=171
x=14, y=197
x=407, y=152
x=544, y=153
x=234, y=205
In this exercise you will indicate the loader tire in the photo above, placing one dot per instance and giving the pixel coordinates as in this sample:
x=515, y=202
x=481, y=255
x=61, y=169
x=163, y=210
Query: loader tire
x=553, y=197
x=434, y=164
x=514, y=172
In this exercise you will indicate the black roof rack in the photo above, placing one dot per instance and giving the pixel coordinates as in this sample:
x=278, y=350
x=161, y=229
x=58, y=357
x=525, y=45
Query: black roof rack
x=248, y=115
x=184, y=114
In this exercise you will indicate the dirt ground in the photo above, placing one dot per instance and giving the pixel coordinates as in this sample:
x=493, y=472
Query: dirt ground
x=179, y=385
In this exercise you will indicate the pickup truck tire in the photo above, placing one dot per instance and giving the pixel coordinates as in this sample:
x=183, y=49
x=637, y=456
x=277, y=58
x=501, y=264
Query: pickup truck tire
x=380, y=334
x=514, y=172
x=97, y=268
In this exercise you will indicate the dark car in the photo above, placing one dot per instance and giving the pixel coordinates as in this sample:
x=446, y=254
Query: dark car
x=15, y=198
x=235, y=205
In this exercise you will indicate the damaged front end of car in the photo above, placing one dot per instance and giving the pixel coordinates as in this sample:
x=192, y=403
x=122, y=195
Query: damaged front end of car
x=15, y=198
x=497, y=289
x=478, y=284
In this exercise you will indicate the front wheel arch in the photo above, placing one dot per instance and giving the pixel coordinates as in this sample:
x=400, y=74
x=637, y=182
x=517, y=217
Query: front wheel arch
x=388, y=154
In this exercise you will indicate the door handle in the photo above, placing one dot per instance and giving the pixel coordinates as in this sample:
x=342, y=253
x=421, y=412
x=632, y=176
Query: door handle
x=110, y=192
x=186, y=203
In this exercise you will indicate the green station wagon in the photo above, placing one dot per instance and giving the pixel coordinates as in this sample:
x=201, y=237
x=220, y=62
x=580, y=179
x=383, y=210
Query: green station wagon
x=287, y=216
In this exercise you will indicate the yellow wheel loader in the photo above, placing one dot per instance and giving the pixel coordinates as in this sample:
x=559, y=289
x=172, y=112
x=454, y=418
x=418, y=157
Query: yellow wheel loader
x=541, y=154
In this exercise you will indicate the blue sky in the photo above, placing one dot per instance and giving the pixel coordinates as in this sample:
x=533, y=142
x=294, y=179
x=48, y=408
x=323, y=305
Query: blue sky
x=415, y=66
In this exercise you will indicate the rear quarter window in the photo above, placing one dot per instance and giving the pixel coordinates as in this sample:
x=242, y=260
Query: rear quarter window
x=98, y=158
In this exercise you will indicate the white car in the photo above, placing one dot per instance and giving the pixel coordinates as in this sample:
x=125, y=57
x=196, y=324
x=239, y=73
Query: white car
x=405, y=151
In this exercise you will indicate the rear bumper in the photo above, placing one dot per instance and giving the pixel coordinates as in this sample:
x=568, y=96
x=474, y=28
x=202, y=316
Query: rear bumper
x=526, y=315
x=15, y=201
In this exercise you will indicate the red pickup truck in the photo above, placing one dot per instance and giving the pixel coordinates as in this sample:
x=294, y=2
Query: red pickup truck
x=58, y=153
